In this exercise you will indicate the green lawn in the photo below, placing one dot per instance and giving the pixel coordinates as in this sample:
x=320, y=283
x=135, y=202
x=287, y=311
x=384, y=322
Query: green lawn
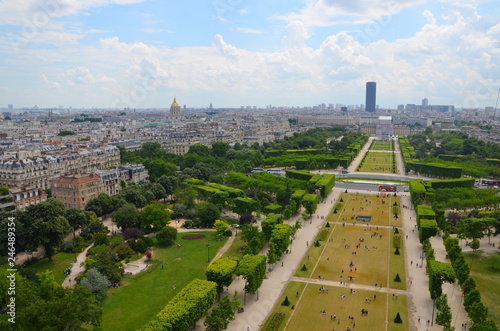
x=60, y=262
x=306, y=315
x=379, y=145
x=377, y=162
x=236, y=247
x=290, y=292
x=137, y=301
x=487, y=282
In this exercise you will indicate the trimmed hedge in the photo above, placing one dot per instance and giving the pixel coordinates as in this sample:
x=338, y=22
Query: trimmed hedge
x=188, y=306
x=451, y=183
x=298, y=174
x=326, y=184
x=428, y=228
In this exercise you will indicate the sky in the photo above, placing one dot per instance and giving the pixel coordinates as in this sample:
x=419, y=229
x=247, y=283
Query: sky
x=232, y=53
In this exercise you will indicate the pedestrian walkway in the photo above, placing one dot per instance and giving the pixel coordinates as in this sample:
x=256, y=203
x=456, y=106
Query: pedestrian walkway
x=77, y=268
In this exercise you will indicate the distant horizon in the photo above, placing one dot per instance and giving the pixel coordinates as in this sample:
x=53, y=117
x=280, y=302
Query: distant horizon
x=140, y=53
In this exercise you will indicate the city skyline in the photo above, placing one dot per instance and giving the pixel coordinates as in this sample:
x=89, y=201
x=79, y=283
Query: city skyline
x=139, y=53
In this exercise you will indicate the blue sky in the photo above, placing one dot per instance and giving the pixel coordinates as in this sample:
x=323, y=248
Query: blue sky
x=139, y=53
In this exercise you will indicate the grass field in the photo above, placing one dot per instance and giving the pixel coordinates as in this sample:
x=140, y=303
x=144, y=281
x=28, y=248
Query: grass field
x=236, y=247
x=380, y=145
x=487, y=282
x=311, y=301
x=374, y=263
x=380, y=208
x=377, y=162
x=137, y=301
x=60, y=262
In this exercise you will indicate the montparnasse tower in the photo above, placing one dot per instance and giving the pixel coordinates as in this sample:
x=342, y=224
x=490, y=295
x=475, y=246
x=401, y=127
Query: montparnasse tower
x=175, y=110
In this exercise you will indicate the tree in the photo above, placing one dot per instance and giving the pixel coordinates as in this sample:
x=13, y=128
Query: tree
x=133, y=196
x=246, y=219
x=100, y=238
x=207, y=213
x=253, y=269
x=96, y=282
x=443, y=316
x=77, y=218
x=39, y=305
x=159, y=191
x=477, y=312
x=220, y=226
x=488, y=325
x=220, y=149
x=132, y=233
x=222, y=314
x=221, y=271
x=127, y=217
x=155, y=216
x=166, y=236
x=49, y=233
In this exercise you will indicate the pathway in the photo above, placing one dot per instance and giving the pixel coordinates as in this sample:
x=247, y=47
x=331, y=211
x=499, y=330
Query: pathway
x=77, y=268
x=357, y=160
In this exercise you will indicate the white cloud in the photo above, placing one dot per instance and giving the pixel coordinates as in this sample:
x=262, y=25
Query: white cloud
x=115, y=43
x=36, y=13
x=248, y=30
x=329, y=12
x=225, y=49
x=243, y=11
x=49, y=83
x=82, y=76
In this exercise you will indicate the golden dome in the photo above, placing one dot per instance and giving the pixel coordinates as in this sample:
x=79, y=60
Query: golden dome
x=174, y=104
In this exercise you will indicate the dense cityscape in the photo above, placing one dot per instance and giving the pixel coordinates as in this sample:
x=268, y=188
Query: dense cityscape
x=243, y=166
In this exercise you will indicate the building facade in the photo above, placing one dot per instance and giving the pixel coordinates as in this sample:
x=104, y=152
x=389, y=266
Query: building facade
x=371, y=96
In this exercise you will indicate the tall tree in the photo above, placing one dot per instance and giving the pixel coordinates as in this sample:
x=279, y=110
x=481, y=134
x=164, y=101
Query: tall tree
x=155, y=216
x=127, y=217
x=49, y=233
x=77, y=218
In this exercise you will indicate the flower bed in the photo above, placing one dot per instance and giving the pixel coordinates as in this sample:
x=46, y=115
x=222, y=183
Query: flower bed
x=275, y=322
x=322, y=235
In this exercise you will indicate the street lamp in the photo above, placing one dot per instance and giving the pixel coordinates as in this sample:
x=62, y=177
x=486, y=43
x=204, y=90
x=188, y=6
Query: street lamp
x=208, y=253
x=70, y=283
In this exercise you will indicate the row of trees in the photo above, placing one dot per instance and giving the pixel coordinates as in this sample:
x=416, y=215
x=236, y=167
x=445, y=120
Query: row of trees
x=476, y=310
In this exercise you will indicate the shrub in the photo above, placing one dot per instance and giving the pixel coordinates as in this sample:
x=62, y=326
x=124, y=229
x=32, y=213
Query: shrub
x=317, y=244
x=397, y=278
x=342, y=200
x=327, y=225
x=397, y=252
x=335, y=211
x=286, y=302
x=304, y=268
x=132, y=233
x=398, y=319
x=228, y=233
x=396, y=231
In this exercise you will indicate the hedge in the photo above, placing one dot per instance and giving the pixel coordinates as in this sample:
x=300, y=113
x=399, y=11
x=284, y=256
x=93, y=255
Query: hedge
x=276, y=209
x=436, y=170
x=310, y=202
x=298, y=174
x=233, y=192
x=428, y=228
x=424, y=212
x=298, y=195
x=325, y=184
x=221, y=272
x=451, y=183
x=188, y=306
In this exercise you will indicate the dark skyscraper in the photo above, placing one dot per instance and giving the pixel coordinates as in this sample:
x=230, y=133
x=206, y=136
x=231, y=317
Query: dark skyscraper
x=371, y=96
